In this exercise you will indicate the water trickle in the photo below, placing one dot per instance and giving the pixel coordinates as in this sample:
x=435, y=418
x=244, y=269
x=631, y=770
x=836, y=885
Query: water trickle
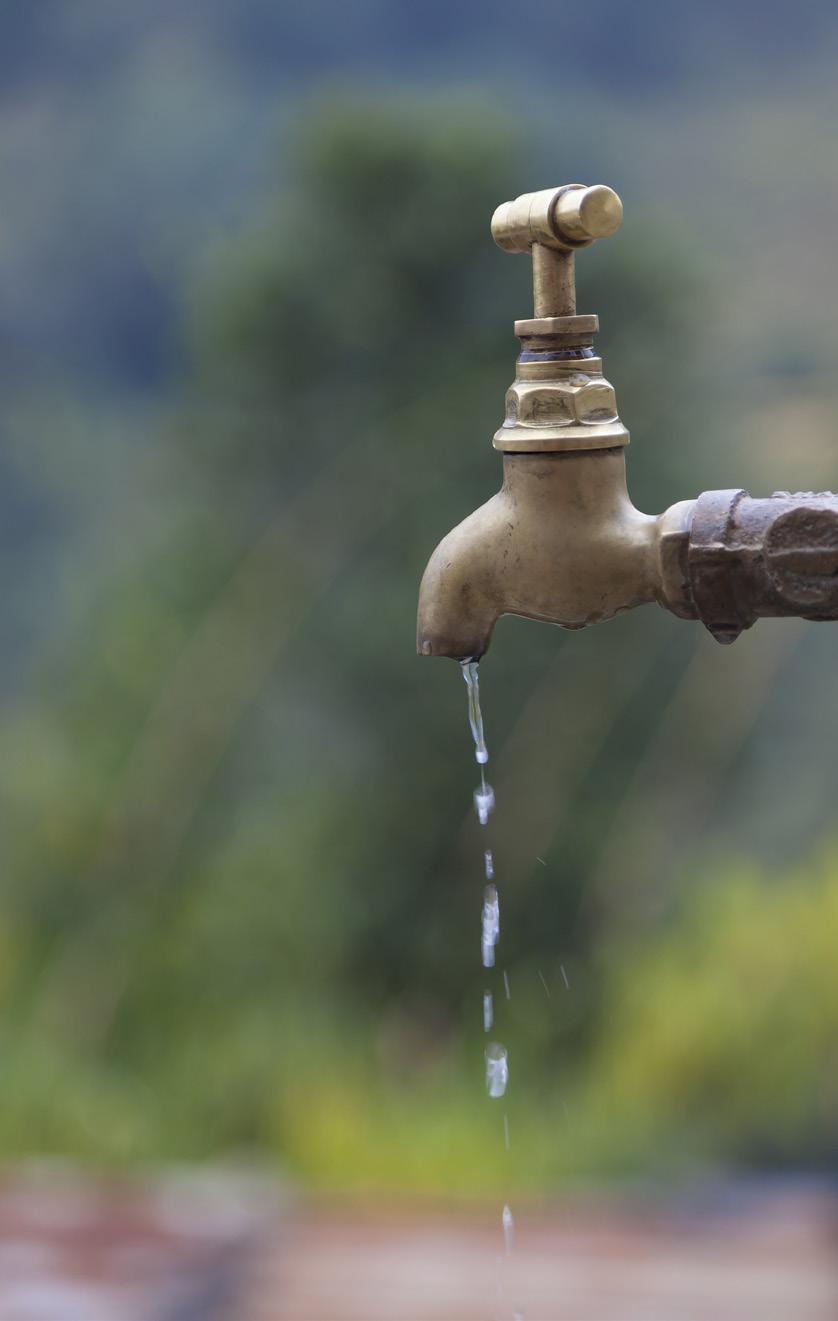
x=490, y=926
x=488, y=1011
x=497, y=1070
x=475, y=715
x=497, y=1063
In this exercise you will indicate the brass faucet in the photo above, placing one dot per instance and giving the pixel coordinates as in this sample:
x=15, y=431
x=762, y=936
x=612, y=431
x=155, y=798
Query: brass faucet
x=561, y=541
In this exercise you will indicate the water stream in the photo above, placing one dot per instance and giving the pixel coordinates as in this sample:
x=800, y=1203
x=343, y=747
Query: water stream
x=475, y=715
x=497, y=1060
x=488, y=1011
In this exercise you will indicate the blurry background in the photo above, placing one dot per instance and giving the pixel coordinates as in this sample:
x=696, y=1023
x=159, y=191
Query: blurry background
x=245, y=269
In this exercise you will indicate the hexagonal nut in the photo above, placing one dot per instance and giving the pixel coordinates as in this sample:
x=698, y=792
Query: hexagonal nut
x=539, y=406
x=596, y=402
x=578, y=399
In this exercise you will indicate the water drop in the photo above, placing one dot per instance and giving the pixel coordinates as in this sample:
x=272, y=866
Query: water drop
x=484, y=802
x=490, y=926
x=488, y=1011
x=489, y=863
x=497, y=1070
x=508, y=1229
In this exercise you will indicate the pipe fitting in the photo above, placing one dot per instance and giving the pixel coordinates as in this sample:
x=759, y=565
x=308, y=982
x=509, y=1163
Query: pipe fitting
x=752, y=558
x=560, y=403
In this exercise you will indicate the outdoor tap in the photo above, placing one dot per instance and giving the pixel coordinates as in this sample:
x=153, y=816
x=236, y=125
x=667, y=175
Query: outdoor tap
x=561, y=541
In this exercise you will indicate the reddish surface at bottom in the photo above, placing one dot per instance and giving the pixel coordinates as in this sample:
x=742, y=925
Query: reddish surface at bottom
x=211, y=1245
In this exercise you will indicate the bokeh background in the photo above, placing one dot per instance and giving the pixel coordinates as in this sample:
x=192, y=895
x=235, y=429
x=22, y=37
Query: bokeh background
x=255, y=338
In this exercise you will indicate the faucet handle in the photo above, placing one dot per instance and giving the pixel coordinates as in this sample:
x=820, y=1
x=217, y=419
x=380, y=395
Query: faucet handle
x=551, y=225
x=563, y=219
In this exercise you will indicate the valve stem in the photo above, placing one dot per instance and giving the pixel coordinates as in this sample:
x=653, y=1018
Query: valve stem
x=553, y=282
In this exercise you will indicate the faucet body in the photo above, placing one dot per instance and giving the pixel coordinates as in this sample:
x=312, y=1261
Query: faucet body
x=561, y=541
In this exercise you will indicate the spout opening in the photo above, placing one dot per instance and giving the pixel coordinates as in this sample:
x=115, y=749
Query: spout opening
x=449, y=650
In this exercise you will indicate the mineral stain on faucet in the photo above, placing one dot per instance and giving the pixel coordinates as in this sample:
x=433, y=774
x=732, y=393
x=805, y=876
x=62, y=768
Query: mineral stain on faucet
x=561, y=541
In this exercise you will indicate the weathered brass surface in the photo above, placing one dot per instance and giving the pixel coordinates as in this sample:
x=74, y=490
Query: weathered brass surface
x=563, y=405
x=553, y=282
x=561, y=541
x=565, y=218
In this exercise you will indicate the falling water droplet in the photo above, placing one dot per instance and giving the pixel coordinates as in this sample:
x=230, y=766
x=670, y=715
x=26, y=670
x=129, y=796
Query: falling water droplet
x=497, y=1070
x=484, y=802
x=508, y=1229
x=490, y=932
x=506, y=985
x=489, y=863
x=488, y=1011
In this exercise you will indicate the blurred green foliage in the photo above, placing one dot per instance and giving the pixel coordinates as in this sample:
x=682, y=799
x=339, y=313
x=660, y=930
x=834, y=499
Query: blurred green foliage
x=721, y=1032
x=241, y=881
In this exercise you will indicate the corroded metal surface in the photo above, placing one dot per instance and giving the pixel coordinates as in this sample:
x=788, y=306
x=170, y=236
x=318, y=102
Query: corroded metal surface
x=751, y=558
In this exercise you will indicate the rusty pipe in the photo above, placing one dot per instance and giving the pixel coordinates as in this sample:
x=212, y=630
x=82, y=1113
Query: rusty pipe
x=744, y=559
